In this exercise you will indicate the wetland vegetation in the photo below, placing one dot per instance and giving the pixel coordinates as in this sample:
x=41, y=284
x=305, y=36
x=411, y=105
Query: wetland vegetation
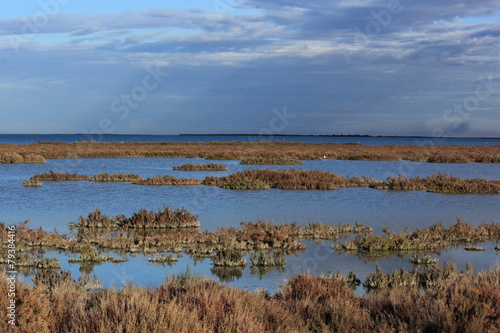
x=36, y=152
x=435, y=299
x=295, y=179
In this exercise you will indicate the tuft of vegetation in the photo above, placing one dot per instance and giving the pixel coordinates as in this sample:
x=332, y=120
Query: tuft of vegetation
x=201, y=167
x=163, y=219
x=269, y=160
x=15, y=158
x=168, y=180
x=116, y=177
x=262, y=259
x=229, y=258
x=423, y=260
x=431, y=238
x=32, y=183
x=474, y=248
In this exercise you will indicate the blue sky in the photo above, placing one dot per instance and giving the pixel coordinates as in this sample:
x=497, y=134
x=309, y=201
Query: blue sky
x=395, y=67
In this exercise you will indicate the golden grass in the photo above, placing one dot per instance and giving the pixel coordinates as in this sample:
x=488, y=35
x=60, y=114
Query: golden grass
x=263, y=160
x=241, y=150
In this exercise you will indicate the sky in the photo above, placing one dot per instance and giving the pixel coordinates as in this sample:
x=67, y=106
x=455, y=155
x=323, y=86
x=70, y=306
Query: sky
x=375, y=67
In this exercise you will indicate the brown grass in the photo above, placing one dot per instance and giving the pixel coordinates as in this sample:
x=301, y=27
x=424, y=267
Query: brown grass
x=443, y=300
x=201, y=167
x=241, y=150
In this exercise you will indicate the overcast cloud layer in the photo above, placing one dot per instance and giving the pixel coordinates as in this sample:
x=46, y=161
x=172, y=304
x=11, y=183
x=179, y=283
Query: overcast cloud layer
x=393, y=67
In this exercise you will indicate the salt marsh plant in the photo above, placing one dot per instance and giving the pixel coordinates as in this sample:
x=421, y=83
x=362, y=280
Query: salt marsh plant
x=423, y=260
x=15, y=158
x=241, y=150
x=443, y=300
x=32, y=183
x=227, y=257
x=144, y=219
x=271, y=160
x=168, y=180
x=201, y=167
x=263, y=259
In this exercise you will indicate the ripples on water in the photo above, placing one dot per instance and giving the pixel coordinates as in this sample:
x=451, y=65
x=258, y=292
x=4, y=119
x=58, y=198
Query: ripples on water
x=56, y=203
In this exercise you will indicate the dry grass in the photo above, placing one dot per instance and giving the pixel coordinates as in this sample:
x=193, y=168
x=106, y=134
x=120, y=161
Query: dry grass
x=201, y=167
x=441, y=300
x=241, y=150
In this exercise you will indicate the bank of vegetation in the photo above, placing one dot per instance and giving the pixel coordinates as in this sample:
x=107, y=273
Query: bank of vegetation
x=242, y=150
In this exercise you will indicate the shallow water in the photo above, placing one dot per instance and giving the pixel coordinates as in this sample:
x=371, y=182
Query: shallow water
x=56, y=203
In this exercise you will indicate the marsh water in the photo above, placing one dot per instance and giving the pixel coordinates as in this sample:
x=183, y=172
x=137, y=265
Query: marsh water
x=55, y=204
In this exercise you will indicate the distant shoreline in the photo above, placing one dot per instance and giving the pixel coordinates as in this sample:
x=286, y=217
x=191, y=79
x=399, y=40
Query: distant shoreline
x=339, y=136
x=277, y=135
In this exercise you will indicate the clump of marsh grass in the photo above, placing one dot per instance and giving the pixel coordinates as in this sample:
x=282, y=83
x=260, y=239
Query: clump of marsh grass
x=270, y=160
x=201, y=167
x=144, y=219
x=433, y=237
x=262, y=259
x=89, y=254
x=423, y=260
x=32, y=183
x=474, y=248
x=229, y=258
x=168, y=180
x=163, y=259
x=116, y=177
x=15, y=158
x=59, y=176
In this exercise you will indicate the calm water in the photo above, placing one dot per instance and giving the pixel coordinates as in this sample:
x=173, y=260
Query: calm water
x=56, y=203
x=32, y=138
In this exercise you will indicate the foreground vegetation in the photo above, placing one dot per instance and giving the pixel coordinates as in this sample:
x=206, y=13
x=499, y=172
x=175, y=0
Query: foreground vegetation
x=293, y=179
x=441, y=300
x=241, y=150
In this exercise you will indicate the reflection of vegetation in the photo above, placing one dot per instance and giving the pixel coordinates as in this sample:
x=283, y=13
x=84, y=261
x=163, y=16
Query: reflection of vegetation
x=227, y=274
x=261, y=271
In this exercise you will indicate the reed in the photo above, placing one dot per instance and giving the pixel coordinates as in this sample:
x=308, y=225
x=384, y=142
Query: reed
x=59, y=176
x=229, y=258
x=201, y=167
x=241, y=150
x=423, y=260
x=270, y=160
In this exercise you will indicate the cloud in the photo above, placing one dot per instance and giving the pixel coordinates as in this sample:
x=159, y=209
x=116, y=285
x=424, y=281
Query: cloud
x=342, y=67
